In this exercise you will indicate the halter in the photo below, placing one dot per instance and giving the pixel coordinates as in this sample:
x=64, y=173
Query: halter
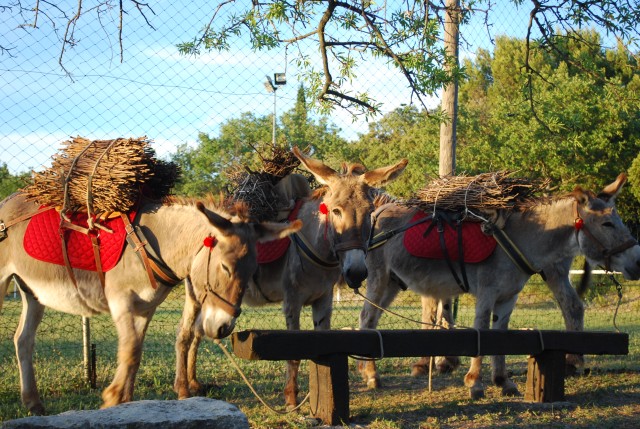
x=233, y=310
x=579, y=225
x=311, y=255
x=345, y=245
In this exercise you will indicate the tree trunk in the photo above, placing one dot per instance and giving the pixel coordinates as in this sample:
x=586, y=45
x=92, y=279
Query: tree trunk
x=447, y=160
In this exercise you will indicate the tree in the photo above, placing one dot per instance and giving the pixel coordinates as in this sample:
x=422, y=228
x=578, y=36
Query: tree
x=204, y=167
x=10, y=183
x=406, y=34
x=405, y=132
x=586, y=128
x=63, y=19
x=589, y=133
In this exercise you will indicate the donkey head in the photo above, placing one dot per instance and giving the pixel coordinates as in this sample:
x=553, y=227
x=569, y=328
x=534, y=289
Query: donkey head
x=225, y=265
x=603, y=237
x=347, y=205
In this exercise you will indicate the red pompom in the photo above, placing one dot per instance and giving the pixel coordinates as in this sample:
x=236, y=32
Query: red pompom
x=578, y=223
x=209, y=241
x=324, y=209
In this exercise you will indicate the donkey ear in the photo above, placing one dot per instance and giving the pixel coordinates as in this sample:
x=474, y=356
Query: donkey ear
x=582, y=196
x=321, y=172
x=383, y=175
x=268, y=231
x=221, y=223
x=612, y=190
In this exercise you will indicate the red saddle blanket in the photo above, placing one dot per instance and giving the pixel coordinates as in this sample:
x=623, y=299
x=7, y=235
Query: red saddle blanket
x=476, y=245
x=271, y=251
x=42, y=241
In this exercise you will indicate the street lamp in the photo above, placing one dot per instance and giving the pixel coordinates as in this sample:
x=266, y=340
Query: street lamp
x=272, y=86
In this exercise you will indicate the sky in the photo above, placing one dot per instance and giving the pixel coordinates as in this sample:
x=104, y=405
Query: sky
x=156, y=92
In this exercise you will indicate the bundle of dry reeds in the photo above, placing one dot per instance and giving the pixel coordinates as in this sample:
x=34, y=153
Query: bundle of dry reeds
x=101, y=176
x=256, y=188
x=496, y=190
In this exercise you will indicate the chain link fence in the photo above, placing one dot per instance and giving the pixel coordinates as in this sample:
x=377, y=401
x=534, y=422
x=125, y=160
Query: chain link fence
x=53, y=90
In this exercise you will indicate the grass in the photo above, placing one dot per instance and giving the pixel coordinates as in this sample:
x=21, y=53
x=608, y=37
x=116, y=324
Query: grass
x=608, y=395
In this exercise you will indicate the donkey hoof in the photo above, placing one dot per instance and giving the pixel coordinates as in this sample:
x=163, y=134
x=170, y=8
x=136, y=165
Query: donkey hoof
x=374, y=383
x=37, y=410
x=419, y=370
x=290, y=408
x=447, y=364
x=476, y=393
x=511, y=390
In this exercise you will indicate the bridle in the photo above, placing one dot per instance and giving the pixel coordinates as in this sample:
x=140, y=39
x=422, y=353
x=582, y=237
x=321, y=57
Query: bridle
x=336, y=248
x=579, y=226
x=230, y=308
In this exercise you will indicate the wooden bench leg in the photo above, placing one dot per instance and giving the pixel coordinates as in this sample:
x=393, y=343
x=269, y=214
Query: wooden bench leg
x=545, y=377
x=329, y=389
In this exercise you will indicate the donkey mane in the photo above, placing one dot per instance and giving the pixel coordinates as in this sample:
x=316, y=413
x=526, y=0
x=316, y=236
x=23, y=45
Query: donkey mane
x=222, y=204
x=354, y=169
x=533, y=202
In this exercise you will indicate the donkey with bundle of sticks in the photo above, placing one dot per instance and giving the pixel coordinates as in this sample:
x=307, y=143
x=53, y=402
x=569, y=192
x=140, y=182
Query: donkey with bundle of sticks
x=332, y=243
x=544, y=238
x=169, y=241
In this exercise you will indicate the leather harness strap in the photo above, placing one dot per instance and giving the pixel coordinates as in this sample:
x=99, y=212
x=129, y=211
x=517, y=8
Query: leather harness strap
x=6, y=225
x=156, y=270
x=308, y=252
x=439, y=220
x=138, y=246
x=512, y=250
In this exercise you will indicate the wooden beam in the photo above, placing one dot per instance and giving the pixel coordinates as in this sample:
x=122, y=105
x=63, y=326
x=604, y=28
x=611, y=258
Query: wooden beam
x=329, y=351
x=286, y=345
x=329, y=389
x=545, y=377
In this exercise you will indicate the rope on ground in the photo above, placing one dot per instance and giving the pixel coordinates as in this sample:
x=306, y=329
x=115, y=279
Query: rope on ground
x=253, y=390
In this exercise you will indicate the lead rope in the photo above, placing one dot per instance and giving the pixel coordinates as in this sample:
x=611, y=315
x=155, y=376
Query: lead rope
x=386, y=310
x=250, y=386
x=619, y=291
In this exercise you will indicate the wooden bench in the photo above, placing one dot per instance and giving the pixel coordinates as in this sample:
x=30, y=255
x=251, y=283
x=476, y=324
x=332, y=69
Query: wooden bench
x=328, y=352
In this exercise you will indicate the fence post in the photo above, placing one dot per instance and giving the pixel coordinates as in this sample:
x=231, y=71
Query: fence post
x=86, y=349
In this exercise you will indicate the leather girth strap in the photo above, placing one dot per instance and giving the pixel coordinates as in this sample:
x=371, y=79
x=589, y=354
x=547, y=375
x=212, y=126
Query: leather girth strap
x=512, y=251
x=439, y=220
x=156, y=269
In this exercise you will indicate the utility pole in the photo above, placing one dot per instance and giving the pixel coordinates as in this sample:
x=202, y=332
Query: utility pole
x=272, y=86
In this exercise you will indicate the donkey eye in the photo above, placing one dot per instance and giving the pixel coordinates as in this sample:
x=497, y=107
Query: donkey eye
x=608, y=224
x=226, y=269
x=337, y=212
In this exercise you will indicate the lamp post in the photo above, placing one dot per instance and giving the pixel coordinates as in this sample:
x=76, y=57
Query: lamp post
x=272, y=86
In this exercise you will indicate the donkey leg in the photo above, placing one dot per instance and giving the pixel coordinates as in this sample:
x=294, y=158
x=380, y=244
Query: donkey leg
x=185, y=343
x=429, y=318
x=436, y=313
x=195, y=387
x=131, y=331
x=24, y=340
x=473, y=378
x=292, y=316
x=501, y=315
x=571, y=306
x=370, y=316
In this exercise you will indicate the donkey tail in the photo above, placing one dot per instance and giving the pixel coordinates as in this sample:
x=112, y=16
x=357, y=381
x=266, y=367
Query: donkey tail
x=585, y=280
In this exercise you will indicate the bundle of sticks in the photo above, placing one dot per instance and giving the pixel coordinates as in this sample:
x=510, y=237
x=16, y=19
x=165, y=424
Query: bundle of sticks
x=257, y=188
x=102, y=176
x=495, y=190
